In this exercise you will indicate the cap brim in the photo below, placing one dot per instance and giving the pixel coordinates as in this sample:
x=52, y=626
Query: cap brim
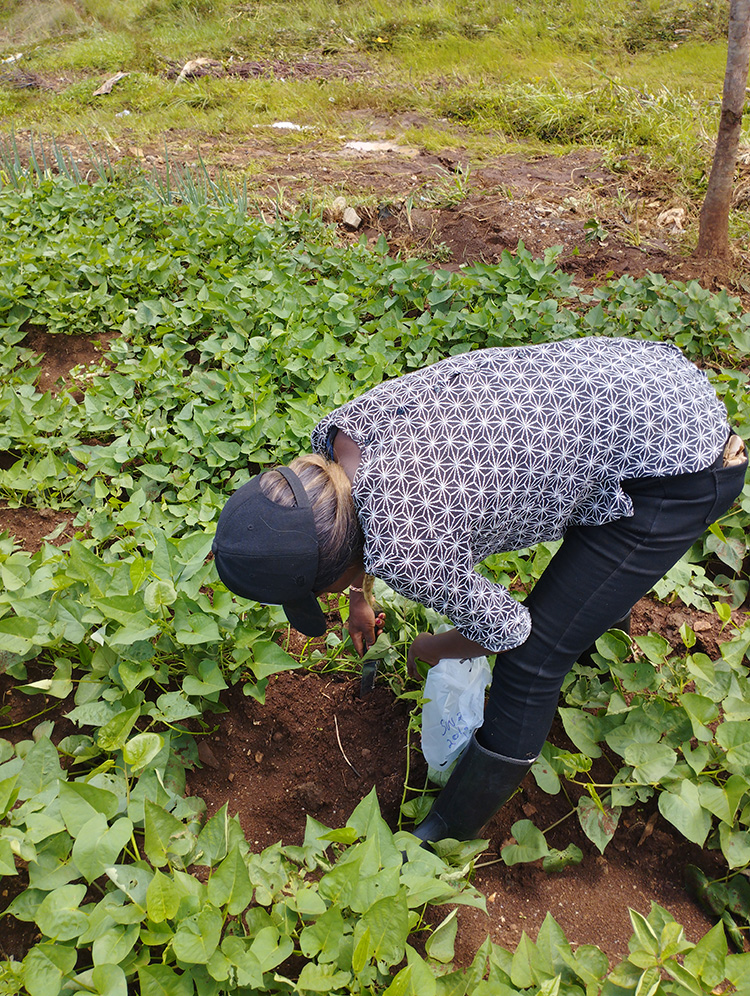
x=306, y=616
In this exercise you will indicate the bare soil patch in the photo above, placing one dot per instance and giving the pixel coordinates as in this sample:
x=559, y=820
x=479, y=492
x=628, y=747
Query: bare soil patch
x=59, y=354
x=32, y=526
x=301, y=69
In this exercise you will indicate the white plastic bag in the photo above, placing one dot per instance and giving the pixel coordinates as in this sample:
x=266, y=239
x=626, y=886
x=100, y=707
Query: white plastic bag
x=453, y=709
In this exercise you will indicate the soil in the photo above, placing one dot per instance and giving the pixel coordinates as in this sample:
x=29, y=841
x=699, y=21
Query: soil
x=59, y=355
x=316, y=746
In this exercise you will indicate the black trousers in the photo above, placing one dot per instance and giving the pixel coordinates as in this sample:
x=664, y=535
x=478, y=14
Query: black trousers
x=593, y=580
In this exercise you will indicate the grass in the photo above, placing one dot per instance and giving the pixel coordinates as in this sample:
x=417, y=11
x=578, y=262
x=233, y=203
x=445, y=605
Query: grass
x=487, y=76
x=439, y=36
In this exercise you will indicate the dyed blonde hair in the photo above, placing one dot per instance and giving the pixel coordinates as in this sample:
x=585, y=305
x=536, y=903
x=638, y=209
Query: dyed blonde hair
x=340, y=539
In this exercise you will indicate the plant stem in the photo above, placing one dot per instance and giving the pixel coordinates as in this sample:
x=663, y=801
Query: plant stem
x=28, y=719
x=558, y=822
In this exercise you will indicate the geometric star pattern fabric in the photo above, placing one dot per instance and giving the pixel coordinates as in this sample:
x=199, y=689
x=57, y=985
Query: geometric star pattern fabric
x=498, y=449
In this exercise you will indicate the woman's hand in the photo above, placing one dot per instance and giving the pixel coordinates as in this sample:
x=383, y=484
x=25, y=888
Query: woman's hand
x=426, y=648
x=363, y=625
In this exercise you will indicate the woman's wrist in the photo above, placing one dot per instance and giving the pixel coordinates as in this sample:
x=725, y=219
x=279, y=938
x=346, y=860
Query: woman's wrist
x=362, y=586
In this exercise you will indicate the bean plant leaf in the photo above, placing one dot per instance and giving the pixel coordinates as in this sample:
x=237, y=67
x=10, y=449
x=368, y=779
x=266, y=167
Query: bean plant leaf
x=544, y=773
x=133, y=881
x=361, y=951
x=269, y=658
x=17, y=635
x=701, y=711
x=80, y=802
x=414, y=980
x=109, y=980
x=233, y=958
x=651, y=762
x=387, y=922
x=98, y=846
x=530, y=845
x=598, y=821
x=162, y=898
x=114, y=734
x=707, y=960
x=230, y=885
x=7, y=860
x=697, y=758
x=44, y=967
x=684, y=811
x=162, y=980
x=8, y=793
x=321, y=978
x=524, y=972
x=635, y=675
x=59, y=916
x=172, y=707
x=308, y=902
x=113, y=945
x=213, y=839
x=441, y=944
x=209, y=681
x=59, y=685
x=270, y=947
x=324, y=937
x=551, y=946
x=613, y=646
x=556, y=860
x=195, y=628
x=729, y=549
x=161, y=828
x=158, y=594
x=735, y=845
x=40, y=767
x=251, y=958
x=734, y=737
x=366, y=889
x=723, y=800
x=197, y=936
x=141, y=749
x=583, y=729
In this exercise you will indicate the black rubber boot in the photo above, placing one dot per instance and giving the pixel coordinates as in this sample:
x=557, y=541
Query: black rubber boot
x=478, y=786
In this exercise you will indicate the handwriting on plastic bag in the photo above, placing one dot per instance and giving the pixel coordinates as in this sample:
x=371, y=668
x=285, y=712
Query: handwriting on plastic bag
x=453, y=729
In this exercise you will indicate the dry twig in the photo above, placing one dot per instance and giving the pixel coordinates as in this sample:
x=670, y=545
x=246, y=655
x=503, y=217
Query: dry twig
x=343, y=754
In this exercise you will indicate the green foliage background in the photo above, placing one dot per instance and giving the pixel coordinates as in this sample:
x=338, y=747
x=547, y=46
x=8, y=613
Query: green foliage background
x=227, y=337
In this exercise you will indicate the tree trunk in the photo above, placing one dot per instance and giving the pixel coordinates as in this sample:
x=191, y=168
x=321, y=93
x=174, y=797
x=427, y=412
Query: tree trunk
x=713, y=236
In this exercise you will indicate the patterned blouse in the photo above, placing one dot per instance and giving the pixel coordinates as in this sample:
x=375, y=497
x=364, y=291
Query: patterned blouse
x=498, y=449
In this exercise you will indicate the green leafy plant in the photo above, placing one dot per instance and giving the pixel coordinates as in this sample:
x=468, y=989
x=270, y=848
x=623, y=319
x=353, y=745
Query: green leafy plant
x=664, y=726
x=224, y=337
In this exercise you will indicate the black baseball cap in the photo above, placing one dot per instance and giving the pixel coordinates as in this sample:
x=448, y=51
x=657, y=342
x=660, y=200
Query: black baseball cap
x=269, y=552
